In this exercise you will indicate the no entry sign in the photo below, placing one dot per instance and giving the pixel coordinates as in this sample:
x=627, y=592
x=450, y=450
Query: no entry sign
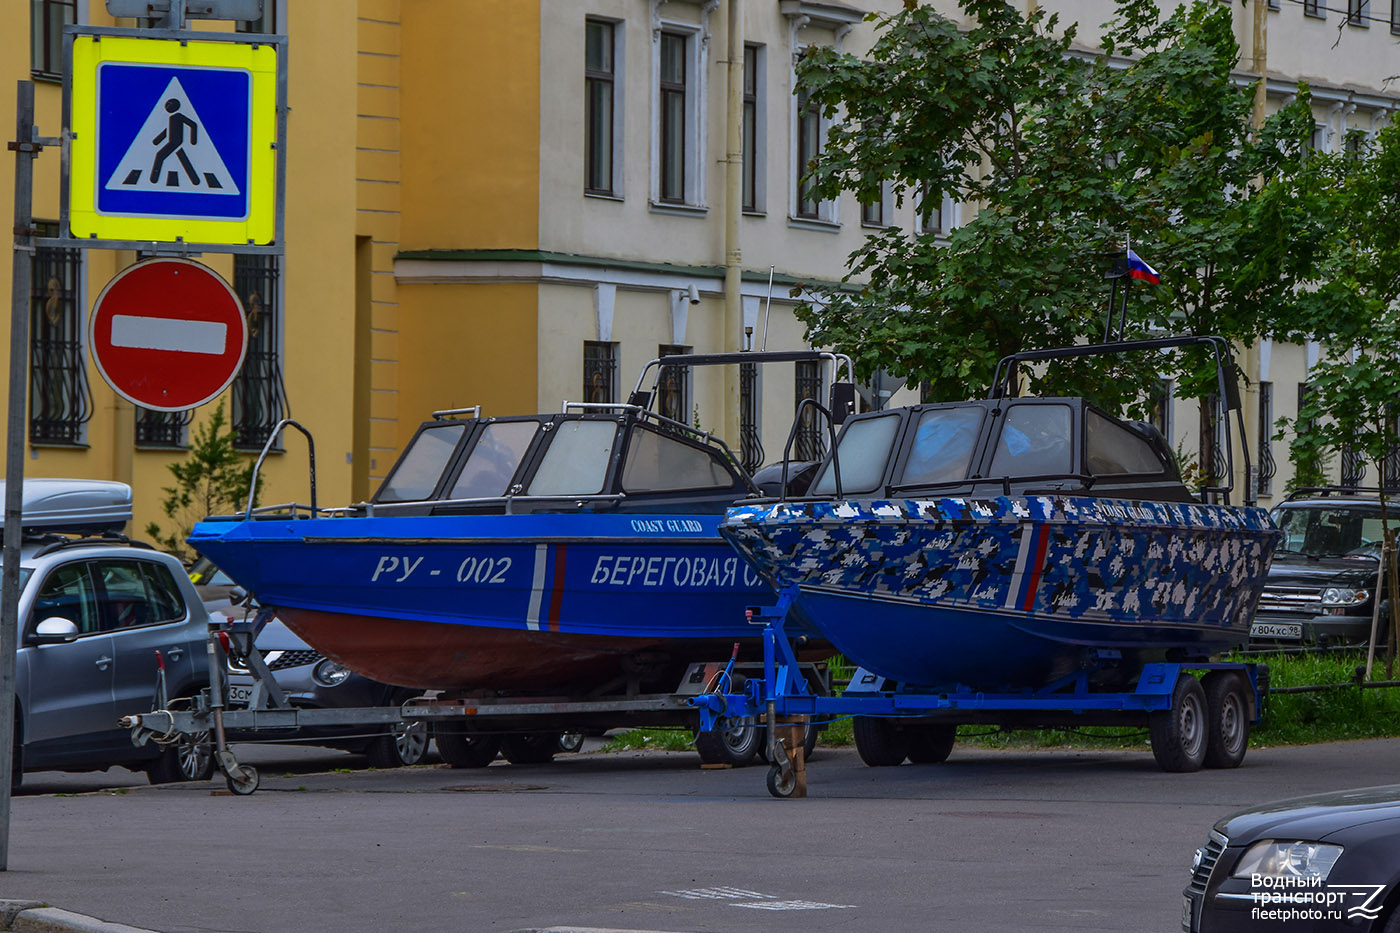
x=168, y=334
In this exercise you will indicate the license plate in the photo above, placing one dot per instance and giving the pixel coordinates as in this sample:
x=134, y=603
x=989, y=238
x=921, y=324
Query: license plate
x=1276, y=630
x=238, y=695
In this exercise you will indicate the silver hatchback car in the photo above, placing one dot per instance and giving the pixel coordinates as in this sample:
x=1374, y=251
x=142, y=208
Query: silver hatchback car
x=103, y=618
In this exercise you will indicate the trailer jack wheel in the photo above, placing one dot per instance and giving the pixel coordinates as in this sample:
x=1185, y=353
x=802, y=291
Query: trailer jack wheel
x=782, y=781
x=242, y=779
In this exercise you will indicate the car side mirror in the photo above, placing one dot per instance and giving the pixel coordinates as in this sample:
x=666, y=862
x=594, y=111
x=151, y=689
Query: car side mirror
x=54, y=631
x=238, y=596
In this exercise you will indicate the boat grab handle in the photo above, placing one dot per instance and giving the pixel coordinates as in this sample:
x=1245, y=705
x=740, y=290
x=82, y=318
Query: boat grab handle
x=267, y=448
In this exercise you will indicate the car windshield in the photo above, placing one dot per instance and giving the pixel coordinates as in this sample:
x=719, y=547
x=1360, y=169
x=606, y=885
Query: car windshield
x=1332, y=531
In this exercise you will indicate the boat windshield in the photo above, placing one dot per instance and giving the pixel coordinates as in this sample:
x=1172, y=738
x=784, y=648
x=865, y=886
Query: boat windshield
x=576, y=463
x=1337, y=531
x=421, y=466
x=1034, y=441
x=862, y=452
x=943, y=445
x=494, y=459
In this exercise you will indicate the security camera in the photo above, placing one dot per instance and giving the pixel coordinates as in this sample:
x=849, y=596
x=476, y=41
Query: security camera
x=694, y=294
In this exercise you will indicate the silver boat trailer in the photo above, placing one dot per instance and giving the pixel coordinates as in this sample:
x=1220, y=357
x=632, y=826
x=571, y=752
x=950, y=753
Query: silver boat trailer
x=209, y=718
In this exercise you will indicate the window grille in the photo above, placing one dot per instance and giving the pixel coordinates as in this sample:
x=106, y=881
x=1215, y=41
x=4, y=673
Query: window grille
x=598, y=107
x=1391, y=464
x=599, y=371
x=808, y=384
x=259, y=397
x=1358, y=12
x=1353, y=466
x=1268, y=469
x=47, y=19
x=60, y=400
x=1313, y=8
x=162, y=428
x=673, y=386
x=750, y=445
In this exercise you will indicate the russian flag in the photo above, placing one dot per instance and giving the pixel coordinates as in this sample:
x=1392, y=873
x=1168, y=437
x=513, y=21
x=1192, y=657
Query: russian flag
x=1139, y=269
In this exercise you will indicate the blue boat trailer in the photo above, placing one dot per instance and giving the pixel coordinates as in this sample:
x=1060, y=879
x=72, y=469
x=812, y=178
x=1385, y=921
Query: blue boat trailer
x=1192, y=721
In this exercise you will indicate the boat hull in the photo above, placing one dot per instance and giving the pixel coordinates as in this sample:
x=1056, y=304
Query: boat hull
x=523, y=602
x=1012, y=593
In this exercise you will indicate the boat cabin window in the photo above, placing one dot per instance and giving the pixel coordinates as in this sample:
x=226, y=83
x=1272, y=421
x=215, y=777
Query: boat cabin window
x=1034, y=441
x=576, y=462
x=862, y=452
x=1111, y=448
x=493, y=460
x=421, y=466
x=658, y=462
x=942, y=447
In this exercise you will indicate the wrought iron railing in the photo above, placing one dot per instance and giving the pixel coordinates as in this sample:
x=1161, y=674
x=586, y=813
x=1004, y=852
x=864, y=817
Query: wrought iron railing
x=807, y=384
x=162, y=428
x=60, y=399
x=750, y=444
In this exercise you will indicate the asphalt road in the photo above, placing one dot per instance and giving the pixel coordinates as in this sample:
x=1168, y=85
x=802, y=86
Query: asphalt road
x=990, y=840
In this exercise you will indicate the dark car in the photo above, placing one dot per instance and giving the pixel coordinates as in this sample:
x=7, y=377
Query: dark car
x=1322, y=585
x=1306, y=865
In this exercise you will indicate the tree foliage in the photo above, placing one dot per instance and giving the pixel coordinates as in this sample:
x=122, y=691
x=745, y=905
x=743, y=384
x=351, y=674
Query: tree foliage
x=213, y=479
x=1060, y=157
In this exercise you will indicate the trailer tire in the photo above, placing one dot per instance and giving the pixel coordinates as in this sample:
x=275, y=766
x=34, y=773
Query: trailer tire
x=403, y=745
x=190, y=759
x=1227, y=708
x=529, y=748
x=733, y=741
x=463, y=749
x=880, y=741
x=931, y=745
x=1179, y=734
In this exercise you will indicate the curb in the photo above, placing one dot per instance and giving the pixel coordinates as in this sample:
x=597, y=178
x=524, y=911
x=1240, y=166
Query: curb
x=36, y=917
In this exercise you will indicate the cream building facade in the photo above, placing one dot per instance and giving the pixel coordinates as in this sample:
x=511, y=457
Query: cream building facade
x=514, y=203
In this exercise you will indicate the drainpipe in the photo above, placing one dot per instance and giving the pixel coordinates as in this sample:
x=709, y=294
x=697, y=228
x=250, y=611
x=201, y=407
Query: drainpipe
x=1261, y=60
x=733, y=215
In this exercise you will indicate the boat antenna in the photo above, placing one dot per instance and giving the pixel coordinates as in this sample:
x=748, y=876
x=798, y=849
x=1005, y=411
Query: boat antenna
x=767, y=309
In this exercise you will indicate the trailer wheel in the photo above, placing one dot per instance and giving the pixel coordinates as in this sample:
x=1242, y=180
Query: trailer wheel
x=880, y=742
x=1227, y=707
x=931, y=745
x=1179, y=734
x=463, y=749
x=779, y=784
x=402, y=745
x=529, y=748
x=733, y=741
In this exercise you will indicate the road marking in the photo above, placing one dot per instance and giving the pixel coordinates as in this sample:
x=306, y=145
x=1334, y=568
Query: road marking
x=793, y=905
x=716, y=894
x=158, y=333
x=754, y=900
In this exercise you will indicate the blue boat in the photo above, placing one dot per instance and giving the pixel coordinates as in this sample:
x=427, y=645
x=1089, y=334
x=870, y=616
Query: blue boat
x=1006, y=543
x=556, y=553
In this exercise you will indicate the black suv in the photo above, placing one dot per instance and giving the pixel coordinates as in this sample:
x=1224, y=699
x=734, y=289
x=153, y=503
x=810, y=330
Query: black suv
x=1323, y=582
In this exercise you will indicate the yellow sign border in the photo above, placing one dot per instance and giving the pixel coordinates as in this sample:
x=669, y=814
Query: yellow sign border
x=84, y=222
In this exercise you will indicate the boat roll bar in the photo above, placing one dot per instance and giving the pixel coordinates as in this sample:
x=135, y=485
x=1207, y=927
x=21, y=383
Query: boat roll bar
x=838, y=361
x=1226, y=385
x=267, y=448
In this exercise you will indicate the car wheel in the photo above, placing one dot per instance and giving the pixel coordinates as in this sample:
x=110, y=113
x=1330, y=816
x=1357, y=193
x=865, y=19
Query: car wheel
x=1227, y=713
x=570, y=741
x=529, y=748
x=931, y=745
x=1179, y=734
x=880, y=742
x=404, y=745
x=463, y=749
x=733, y=741
x=190, y=759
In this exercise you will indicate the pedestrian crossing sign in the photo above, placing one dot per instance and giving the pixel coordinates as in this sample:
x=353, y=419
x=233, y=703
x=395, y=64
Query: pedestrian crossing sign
x=173, y=141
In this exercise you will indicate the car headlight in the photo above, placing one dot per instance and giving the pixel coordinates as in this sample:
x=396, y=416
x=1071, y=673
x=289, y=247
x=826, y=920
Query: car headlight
x=330, y=674
x=1270, y=859
x=1344, y=596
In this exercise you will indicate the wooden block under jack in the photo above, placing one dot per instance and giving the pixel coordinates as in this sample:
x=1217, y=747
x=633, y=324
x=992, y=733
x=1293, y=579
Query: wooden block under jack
x=717, y=766
x=794, y=737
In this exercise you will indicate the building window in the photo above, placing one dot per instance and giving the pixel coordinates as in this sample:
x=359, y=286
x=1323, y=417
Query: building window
x=807, y=383
x=266, y=24
x=259, y=399
x=872, y=214
x=937, y=213
x=753, y=129
x=674, y=107
x=1159, y=408
x=599, y=89
x=1268, y=469
x=1313, y=8
x=47, y=19
x=809, y=146
x=1359, y=12
x=1395, y=16
x=673, y=386
x=60, y=400
x=162, y=428
x=1274, y=4
x=599, y=372
x=750, y=444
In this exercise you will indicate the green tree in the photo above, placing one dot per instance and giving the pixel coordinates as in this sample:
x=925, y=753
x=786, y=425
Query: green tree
x=1063, y=156
x=214, y=478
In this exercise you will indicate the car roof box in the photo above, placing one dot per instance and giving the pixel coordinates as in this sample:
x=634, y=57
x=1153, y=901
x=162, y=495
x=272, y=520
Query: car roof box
x=74, y=506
